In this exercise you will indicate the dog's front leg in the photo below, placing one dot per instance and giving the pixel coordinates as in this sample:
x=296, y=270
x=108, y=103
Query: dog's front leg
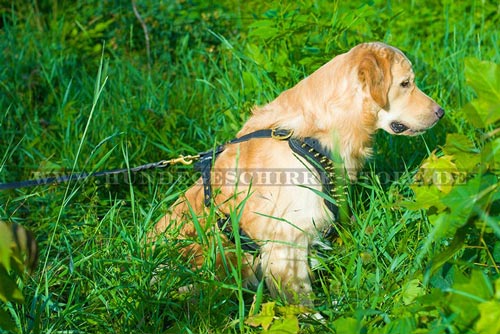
x=286, y=270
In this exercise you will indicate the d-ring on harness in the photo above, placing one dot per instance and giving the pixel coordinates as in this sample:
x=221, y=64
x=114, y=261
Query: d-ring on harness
x=308, y=148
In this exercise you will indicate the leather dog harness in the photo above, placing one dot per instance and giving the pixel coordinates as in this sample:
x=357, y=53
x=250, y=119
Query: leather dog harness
x=308, y=148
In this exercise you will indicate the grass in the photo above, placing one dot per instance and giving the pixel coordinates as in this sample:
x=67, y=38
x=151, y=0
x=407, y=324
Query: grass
x=71, y=102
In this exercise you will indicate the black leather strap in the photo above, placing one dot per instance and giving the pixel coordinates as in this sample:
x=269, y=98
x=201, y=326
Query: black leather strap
x=247, y=243
x=311, y=150
x=279, y=134
x=204, y=166
x=205, y=163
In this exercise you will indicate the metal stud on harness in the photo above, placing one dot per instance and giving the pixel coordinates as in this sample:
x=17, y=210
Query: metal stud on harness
x=308, y=148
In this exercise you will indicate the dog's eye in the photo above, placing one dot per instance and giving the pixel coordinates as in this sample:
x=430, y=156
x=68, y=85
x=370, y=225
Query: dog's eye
x=405, y=84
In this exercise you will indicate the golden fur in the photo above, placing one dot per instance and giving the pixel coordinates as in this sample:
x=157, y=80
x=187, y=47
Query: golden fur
x=342, y=104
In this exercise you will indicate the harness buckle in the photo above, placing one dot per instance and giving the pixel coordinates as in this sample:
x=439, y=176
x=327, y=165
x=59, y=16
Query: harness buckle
x=281, y=134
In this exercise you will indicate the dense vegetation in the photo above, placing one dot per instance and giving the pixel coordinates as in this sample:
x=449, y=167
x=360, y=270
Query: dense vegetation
x=95, y=85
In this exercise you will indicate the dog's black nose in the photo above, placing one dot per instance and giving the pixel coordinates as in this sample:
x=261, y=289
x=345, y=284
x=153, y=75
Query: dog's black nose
x=440, y=112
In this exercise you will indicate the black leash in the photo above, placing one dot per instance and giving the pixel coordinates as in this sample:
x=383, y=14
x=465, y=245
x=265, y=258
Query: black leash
x=308, y=148
x=185, y=160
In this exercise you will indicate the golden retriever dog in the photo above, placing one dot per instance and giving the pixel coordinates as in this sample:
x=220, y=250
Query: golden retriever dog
x=341, y=105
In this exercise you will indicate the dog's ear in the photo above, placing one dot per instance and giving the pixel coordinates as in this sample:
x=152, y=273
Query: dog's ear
x=374, y=73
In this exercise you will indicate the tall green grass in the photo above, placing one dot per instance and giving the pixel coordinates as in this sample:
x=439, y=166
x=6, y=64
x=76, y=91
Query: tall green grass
x=76, y=95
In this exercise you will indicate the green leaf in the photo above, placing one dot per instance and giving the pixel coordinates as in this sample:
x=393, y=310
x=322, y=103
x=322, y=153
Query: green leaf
x=465, y=297
x=444, y=256
x=438, y=171
x=444, y=225
x=484, y=78
x=466, y=157
x=264, y=318
x=256, y=54
x=425, y=198
x=401, y=325
x=263, y=29
x=488, y=322
x=412, y=290
x=482, y=113
x=6, y=322
x=472, y=116
x=292, y=310
x=5, y=245
x=9, y=291
x=464, y=199
x=288, y=325
x=457, y=142
x=347, y=325
x=466, y=163
x=434, y=298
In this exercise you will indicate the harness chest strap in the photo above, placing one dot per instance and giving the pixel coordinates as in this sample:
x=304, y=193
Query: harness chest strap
x=309, y=149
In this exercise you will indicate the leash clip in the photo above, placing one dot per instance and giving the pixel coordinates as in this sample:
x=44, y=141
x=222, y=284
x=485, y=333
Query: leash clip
x=185, y=160
x=281, y=134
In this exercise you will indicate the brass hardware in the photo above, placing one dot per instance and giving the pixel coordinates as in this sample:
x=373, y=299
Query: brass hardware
x=185, y=160
x=278, y=136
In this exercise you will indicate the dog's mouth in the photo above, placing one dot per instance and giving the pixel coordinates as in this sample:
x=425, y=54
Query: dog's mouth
x=398, y=127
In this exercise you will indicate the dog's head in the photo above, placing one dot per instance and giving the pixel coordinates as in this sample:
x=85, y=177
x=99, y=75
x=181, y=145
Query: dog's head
x=388, y=81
